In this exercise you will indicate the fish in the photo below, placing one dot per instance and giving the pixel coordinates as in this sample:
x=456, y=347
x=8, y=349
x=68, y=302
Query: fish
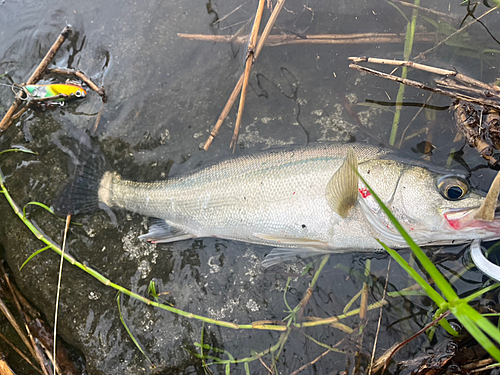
x=300, y=201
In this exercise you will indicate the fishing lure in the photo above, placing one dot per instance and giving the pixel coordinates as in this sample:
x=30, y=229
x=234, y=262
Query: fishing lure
x=47, y=91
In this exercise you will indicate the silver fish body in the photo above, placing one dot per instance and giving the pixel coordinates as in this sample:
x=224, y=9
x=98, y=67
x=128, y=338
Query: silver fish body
x=278, y=198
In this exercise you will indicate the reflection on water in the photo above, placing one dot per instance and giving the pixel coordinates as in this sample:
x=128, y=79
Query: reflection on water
x=165, y=95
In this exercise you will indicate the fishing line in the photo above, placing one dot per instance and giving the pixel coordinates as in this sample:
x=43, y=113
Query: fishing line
x=21, y=90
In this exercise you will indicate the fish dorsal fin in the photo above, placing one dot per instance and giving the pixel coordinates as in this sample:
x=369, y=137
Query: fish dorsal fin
x=342, y=189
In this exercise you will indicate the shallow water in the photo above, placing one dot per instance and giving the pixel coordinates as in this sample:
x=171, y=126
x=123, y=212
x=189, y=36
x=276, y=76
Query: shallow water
x=165, y=94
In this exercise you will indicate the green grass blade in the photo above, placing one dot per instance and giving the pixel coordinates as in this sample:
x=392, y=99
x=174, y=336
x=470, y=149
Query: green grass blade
x=349, y=304
x=18, y=149
x=33, y=255
x=437, y=276
x=324, y=261
x=447, y=326
x=480, y=320
x=399, y=293
x=435, y=296
x=153, y=293
x=247, y=369
x=480, y=337
x=410, y=33
x=480, y=292
x=129, y=332
x=37, y=204
x=399, y=10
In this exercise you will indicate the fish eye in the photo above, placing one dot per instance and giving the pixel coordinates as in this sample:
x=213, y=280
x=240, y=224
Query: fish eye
x=78, y=94
x=453, y=188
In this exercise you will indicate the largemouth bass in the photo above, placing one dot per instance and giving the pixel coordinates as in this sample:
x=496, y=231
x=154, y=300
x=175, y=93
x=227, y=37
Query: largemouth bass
x=300, y=201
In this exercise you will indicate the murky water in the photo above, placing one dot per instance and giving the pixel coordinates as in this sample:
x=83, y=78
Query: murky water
x=165, y=94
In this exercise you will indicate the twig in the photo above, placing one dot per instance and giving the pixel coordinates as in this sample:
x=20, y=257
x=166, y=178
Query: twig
x=98, y=119
x=36, y=76
x=248, y=68
x=6, y=312
x=234, y=94
x=422, y=55
x=32, y=346
x=40, y=71
x=419, y=85
x=21, y=354
x=280, y=40
x=20, y=112
x=450, y=84
x=49, y=98
x=227, y=15
x=267, y=368
x=68, y=220
x=427, y=68
x=380, y=318
x=302, y=368
x=478, y=364
x=431, y=11
x=427, y=326
x=486, y=368
x=83, y=77
x=4, y=366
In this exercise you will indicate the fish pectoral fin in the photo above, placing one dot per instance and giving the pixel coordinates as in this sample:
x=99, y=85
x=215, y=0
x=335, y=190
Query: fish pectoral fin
x=161, y=232
x=292, y=241
x=283, y=254
x=342, y=189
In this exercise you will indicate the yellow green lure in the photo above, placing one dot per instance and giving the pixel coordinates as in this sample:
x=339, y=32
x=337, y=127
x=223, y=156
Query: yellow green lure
x=47, y=91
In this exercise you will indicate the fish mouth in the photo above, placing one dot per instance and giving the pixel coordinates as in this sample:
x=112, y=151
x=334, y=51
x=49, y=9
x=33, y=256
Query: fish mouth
x=465, y=219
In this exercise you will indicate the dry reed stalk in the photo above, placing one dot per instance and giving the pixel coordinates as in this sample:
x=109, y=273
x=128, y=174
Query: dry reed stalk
x=451, y=85
x=267, y=368
x=248, y=68
x=19, y=352
x=280, y=40
x=409, y=82
x=26, y=335
x=4, y=367
x=36, y=76
x=426, y=68
x=98, y=120
x=59, y=280
x=6, y=312
x=303, y=303
x=234, y=94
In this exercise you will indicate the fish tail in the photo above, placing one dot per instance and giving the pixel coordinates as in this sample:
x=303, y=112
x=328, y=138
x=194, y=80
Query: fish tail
x=84, y=190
